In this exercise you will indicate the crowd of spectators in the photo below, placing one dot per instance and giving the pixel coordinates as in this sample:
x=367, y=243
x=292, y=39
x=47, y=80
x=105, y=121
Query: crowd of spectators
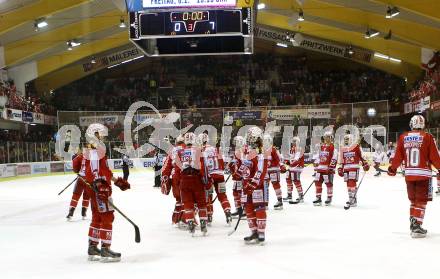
x=15, y=100
x=232, y=81
x=429, y=85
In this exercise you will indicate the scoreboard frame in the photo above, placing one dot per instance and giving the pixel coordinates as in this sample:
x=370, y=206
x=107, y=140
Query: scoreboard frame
x=135, y=27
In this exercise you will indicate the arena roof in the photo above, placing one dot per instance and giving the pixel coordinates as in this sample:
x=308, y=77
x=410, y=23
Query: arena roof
x=95, y=23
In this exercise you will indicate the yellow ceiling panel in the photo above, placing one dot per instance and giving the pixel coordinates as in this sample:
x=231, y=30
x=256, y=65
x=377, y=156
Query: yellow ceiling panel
x=42, y=8
x=67, y=57
x=412, y=32
x=408, y=53
x=428, y=8
x=20, y=50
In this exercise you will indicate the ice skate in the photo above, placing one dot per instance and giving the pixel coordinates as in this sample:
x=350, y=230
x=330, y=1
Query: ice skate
x=107, y=255
x=84, y=213
x=228, y=218
x=278, y=205
x=437, y=192
x=288, y=198
x=328, y=202
x=350, y=203
x=191, y=227
x=70, y=215
x=261, y=239
x=377, y=174
x=209, y=220
x=300, y=199
x=94, y=253
x=203, y=227
x=317, y=202
x=252, y=238
x=418, y=232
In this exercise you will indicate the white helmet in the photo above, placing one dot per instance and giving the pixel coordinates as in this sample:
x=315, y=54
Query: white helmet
x=252, y=135
x=417, y=122
x=180, y=139
x=190, y=138
x=238, y=141
x=328, y=134
x=203, y=138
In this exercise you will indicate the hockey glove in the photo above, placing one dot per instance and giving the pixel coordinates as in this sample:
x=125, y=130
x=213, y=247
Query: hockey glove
x=122, y=184
x=341, y=172
x=283, y=169
x=392, y=171
x=366, y=166
x=249, y=188
x=165, y=185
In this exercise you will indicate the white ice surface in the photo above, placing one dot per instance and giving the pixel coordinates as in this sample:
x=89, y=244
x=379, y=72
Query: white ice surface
x=370, y=241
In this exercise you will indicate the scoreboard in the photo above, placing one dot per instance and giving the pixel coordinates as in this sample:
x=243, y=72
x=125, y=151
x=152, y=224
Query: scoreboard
x=195, y=23
x=191, y=27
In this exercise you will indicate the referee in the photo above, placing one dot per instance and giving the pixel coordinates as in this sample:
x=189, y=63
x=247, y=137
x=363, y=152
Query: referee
x=125, y=166
x=157, y=168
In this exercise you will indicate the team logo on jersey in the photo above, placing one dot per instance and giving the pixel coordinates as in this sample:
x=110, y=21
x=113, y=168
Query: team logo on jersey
x=349, y=154
x=413, y=138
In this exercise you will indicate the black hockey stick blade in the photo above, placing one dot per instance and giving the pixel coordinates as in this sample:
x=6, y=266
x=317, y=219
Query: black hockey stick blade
x=236, y=225
x=294, y=202
x=67, y=186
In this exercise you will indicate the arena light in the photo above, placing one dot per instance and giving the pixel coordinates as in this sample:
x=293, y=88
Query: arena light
x=261, y=6
x=395, y=60
x=75, y=43
x=380, y=55
x=371, y=112
x=281, y=44
x=40, y=23
x=122, y=23
x=392, y=12
x=126, y=61
x=386, y=57
x=301, y=15
x=371, y=33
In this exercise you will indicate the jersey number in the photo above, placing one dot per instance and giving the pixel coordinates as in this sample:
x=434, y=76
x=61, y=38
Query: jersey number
x=413, y=156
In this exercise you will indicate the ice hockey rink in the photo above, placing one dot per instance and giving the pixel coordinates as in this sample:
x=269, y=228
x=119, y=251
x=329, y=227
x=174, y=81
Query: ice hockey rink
x=370, y=241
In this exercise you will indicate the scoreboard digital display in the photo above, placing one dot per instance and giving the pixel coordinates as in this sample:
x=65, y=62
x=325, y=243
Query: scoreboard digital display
x=151, y=4
x=144, y=25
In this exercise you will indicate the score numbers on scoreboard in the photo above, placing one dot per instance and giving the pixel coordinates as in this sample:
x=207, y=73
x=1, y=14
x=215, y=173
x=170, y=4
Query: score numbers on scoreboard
x=195, y=23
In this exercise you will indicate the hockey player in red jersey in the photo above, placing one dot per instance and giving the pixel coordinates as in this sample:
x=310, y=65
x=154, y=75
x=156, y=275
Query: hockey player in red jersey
x=350, y=156
x=170, y=180
x=295, y=161
x=273, y=158
x=78, y=165
x=326, y=169
x=215, y=166
x=239, y=147
x=418, y=151
x=99, y=177
x=253, y=168
x=193, y=182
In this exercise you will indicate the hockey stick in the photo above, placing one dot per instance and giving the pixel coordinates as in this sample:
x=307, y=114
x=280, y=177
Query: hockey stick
x=401, y=172
x=67, y=186
x=238, y=222
x=347, y=207
x=137, y=237
x=296, y=202
x=217, y=195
